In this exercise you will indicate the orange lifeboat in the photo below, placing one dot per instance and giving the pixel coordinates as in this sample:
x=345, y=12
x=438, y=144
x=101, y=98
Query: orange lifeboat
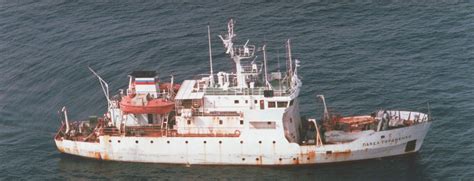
x=146, y=95
x=144, y=105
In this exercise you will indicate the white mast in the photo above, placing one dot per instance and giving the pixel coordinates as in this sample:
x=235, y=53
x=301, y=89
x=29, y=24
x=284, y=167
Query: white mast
x=210, y=55
x=290, y=61
x=239, y=70
x=171, y=88
x=265, y=64
x=228, y=39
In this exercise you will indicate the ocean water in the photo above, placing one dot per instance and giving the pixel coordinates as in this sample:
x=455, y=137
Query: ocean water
x=362, y=55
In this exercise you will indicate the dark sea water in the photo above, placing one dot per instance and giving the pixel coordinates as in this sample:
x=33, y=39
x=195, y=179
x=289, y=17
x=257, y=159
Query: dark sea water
x=362, y=56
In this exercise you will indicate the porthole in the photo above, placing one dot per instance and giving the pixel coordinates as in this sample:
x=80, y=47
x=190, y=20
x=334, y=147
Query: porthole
x=241, y=142
x=260, y=142
x=110, y=141
x=205, y=142
x=243, y=159
x=274, y=142
x=136, y=141
x=280, y=159
x=257, y=159
x=118, y=141
x=220, y=121
x=220, y=142
x=241, y=122
x=151, y=141
x=308, y=158
x=186, y=142
x=189, y=121
x=294, y=159
x=168, y=142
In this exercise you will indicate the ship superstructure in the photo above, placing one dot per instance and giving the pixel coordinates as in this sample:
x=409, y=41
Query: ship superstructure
x=246, y=117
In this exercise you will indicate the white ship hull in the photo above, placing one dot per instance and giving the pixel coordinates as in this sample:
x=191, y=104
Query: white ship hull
x=246, y=117
x=230, y=151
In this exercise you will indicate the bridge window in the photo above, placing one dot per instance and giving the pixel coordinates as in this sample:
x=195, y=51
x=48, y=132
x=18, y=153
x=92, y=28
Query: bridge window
x=271, y=104
x=291, y=102
x=236, y=101
x=189, y=121
x=241, y=122
x=220, y=121
x=282, y=104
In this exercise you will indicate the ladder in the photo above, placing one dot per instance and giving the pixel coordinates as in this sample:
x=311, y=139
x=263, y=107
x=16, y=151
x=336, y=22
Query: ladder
x=164, y=123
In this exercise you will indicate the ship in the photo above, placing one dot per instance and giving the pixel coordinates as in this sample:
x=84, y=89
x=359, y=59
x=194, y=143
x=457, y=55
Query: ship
x=246, y=117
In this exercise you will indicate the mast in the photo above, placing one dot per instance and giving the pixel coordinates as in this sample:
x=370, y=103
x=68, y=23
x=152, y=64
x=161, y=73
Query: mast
x=171, y=89
x=290, y=61
x=265, y=64
x=228, y=39
x=236, y=56
x=210, y=54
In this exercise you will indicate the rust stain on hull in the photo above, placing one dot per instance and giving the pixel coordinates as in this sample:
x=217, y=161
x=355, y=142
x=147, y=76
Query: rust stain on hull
x=98, y=155
x=296, y=161
x=342, y=154
x=259, y=160
x=311, y=155
x=60, y=148
x=95, y=155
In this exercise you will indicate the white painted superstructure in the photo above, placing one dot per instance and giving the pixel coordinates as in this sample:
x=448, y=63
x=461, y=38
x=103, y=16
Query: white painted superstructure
x=246, y=117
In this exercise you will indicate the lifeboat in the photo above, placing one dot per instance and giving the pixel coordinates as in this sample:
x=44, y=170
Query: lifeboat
x=144, y=105
x=146, y=95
